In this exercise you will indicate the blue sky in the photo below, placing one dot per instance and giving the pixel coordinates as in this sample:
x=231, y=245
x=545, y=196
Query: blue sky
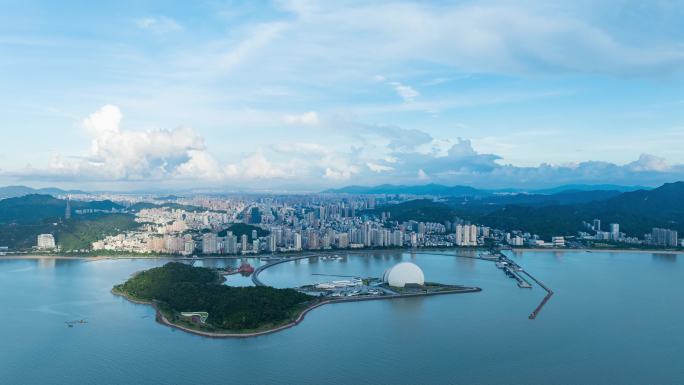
x=316, y=94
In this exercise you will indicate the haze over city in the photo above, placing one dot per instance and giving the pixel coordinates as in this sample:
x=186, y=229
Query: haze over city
x=309, y=95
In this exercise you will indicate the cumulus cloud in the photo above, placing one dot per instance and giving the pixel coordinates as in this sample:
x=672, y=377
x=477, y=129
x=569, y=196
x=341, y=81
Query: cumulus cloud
x=126, y=154
x=306, y=119
x=647, y=162
x=159, y=25
x=401, y=156
x=257, y=166
x=120, y=154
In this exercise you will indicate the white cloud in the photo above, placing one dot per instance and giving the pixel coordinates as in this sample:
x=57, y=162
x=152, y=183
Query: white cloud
x=647, y=162
x=375, y=167
x=301, y=148
x=120, y=154
x=256, y=166
x=340, y=174
x=126, y=154
x=306, y=119
x=422, y=175
x=159, y=25
x=162, y=156
x=407, y=93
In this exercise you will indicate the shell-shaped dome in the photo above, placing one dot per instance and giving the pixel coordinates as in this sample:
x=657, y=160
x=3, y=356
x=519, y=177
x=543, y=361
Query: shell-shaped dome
x=404, y=273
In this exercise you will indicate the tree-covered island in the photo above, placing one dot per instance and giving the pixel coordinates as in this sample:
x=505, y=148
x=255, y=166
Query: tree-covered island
x=181, y=293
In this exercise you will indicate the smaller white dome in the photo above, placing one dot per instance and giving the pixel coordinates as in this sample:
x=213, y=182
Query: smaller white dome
x=402, y=274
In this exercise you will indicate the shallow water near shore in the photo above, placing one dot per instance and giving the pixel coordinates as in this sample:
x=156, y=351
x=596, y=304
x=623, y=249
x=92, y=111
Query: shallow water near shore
x=614, y=318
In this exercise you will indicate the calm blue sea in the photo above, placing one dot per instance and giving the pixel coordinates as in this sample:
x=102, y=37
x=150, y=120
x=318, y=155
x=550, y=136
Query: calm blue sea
x=615, y=318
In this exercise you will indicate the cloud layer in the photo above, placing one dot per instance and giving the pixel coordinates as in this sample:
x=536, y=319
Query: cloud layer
x=383, y=154
x=489, y=93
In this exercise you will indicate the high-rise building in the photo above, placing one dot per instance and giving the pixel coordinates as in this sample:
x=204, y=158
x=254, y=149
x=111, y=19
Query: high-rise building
x=231, y=244
x=614, y=231
x=209, y=243
x=398, y=238
x=664, y=237
x=325, y=241
x=46, y=241
x=343, y=241
x=313, y=240
x=188, y=246
x=272, y=244
x=243, y=242
x=466, y=235
x=297, y=238
x=597, y=225
x=67, y=210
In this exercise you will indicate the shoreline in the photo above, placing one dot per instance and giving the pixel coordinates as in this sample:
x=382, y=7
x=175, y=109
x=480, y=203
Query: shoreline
x=164, y=321
x=324, y=252
x=599, y=250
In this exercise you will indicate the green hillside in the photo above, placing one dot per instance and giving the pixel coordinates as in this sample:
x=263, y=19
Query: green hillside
x=178, y=287
x=636, y=212
x=239, y=229
x=75, y=234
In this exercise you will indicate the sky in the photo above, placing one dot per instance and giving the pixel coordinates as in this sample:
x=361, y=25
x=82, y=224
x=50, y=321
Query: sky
x=308, y=95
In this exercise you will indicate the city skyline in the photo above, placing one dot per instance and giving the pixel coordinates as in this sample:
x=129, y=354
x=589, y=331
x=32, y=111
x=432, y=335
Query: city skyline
x=307, y=96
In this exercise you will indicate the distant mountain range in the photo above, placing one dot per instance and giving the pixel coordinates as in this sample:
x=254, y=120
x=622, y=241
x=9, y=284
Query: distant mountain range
x=427, y=189
x=37, y=208
x=558, y=214
x=466, y=191
x=18, y=191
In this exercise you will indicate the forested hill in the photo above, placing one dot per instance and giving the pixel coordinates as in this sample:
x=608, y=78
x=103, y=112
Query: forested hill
x=23, y=218
x=434, y=189
x=636, y=212
x=36, y=208
x=179, y=287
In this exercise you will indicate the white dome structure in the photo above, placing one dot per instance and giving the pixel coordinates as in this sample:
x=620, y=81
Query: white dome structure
x=402, y=274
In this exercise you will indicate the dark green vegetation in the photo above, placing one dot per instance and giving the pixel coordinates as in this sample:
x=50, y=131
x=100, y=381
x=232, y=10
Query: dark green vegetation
x=239, y=229
x=146, y=205
x=422, y=210
x=466, y=191
x=34, y=208
x=636, y=211
x=73, y=234
x=23, y=218
x=178, y=288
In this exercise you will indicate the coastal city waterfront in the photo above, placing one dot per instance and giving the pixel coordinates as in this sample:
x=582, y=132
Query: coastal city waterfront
x=454, y=338
x=308, y=192
x=229, y=224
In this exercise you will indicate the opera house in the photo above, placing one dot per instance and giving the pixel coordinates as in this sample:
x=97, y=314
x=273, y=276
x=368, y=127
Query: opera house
x=403, y=274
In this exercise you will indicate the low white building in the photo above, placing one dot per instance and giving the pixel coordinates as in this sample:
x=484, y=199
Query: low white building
x=558, y=241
